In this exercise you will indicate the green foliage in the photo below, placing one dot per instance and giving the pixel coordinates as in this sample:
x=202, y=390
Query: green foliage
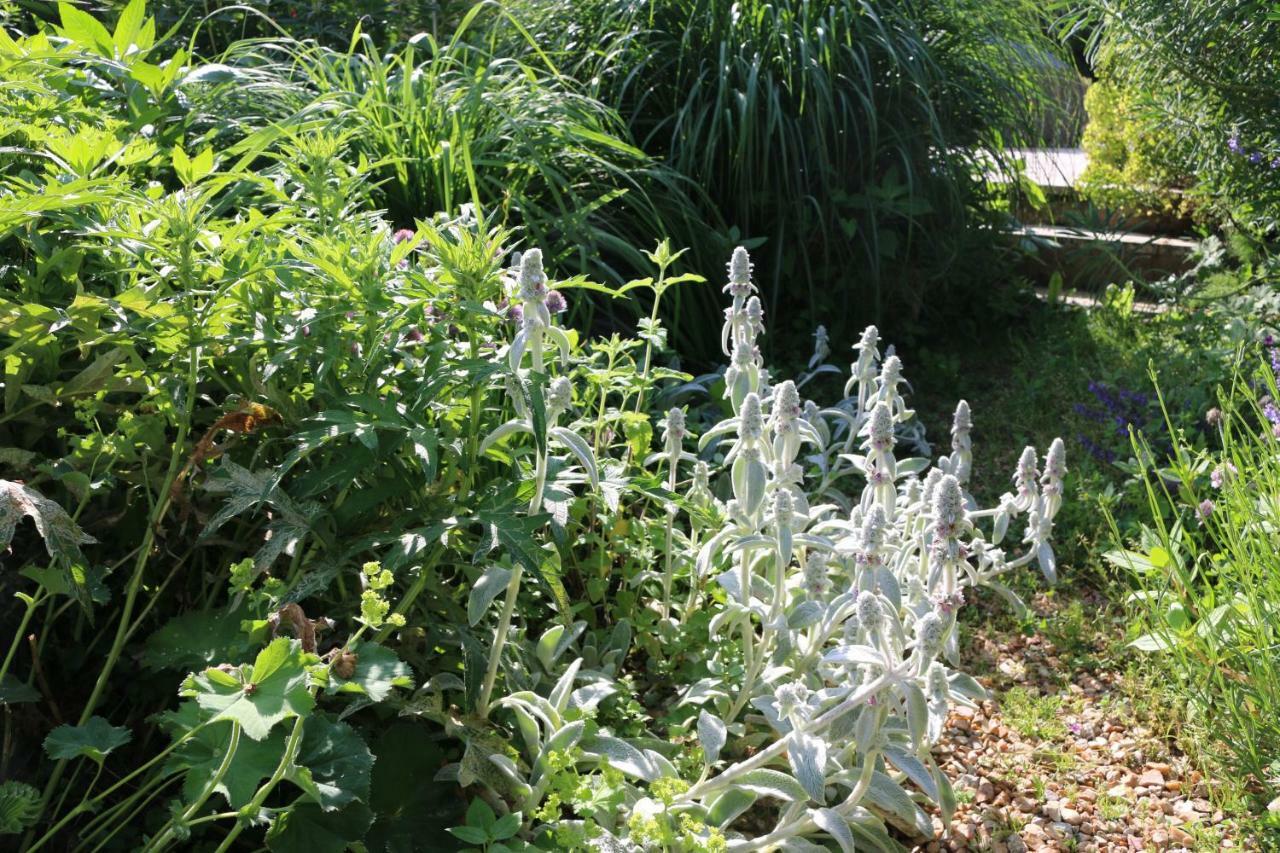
x=18, y=806
x=840, y=142
x=1197, y=78
x=93, y=740
x=1204, y=577
x=1130, y=164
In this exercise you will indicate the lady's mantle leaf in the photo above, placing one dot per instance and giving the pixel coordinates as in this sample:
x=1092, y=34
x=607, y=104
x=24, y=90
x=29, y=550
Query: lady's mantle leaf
x=377, y=672
x=257, y=698
x=334, y=764
x=93, y=740
x=306, y=828
x=202, y=753
x=197, y=639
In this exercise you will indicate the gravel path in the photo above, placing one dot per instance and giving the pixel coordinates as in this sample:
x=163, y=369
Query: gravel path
x=1062, y=757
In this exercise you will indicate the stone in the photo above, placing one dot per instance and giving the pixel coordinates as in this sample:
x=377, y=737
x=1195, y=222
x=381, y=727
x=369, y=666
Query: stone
x=1015, y=844
x=1152, y=778
x=1122, y=792
x=1061, y=831
x=1071, y=816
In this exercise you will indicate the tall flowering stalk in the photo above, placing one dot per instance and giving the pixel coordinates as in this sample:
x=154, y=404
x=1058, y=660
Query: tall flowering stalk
x=538, y=416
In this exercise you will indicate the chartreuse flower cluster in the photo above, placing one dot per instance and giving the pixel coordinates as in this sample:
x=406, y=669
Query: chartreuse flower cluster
x=834, y=570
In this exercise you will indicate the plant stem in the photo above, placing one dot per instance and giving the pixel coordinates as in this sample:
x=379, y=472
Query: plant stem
x=291, y=749
x=32, y=603
x=500, y=639
x=162, y=837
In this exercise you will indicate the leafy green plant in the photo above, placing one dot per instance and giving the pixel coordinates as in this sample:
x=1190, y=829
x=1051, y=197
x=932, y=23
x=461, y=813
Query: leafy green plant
x=839, y=142
x=1205, y=590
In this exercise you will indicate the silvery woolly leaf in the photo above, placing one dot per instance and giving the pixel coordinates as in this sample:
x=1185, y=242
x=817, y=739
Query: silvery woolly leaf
x=855, y=654
x=1048, y=562
x=579, y=448
x=772, y=783
x=915, y=769
x=589, y=696
x=622, y=756
x=897, y=807
x=917, y=713
x=713, y=735
x=963, y=684
x=808, y=756
x=830, y=822
x=559, y=697
x=725, y=808
x=491, y=584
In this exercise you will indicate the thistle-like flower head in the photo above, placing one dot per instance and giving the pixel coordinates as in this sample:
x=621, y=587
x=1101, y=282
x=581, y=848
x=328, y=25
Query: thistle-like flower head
x=532, y=280
x=740, y=267
x=870, y=612
x=891, y=372
x=675, y=432
x=559, y=395
x=755, y=316
x=962, y=422
x=948, y=506
x=751, y=419
x=1055, y=461
x=816, y=582
x=880, y=427
x=793, y=701
x=1024, y=476
x=783, y=508
x=786, y=409
x=930, y=634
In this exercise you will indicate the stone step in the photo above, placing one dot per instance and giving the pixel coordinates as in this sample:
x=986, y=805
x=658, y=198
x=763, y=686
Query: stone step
x=1090, y=259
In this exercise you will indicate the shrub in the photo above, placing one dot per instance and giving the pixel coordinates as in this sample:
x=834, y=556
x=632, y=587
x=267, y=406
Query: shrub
x=1199, y=78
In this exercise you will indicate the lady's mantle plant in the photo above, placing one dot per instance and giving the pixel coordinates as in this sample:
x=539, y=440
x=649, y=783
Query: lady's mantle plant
x=835, y=618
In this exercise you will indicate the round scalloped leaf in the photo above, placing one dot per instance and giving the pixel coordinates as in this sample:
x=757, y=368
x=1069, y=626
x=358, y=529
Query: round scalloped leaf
x=95, y=740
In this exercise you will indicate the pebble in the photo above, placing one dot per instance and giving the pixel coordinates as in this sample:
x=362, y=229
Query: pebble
x=1152, y=779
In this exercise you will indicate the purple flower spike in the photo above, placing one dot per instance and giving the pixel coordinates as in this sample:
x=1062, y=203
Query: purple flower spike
x=556, y=303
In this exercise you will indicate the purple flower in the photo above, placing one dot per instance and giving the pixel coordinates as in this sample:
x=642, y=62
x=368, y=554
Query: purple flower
x=556, y=303
x=1075, y=728
x=414, y=335
x=1221, y=474
x=1255, y=157
x=1233, y=144
x=1205, y=510
x=515, y=314
x=402, y=235
x=1275, y=164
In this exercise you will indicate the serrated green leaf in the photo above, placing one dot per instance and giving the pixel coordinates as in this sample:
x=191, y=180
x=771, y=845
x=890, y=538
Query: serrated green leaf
x=337, y=762
x=200, y=755
x=196, y=640
x=95, y=740
x=378, y=671
x=306, y=828
x=274, y=689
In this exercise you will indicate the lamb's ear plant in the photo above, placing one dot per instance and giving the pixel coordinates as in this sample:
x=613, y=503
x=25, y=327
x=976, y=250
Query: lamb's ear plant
x=842, y=609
